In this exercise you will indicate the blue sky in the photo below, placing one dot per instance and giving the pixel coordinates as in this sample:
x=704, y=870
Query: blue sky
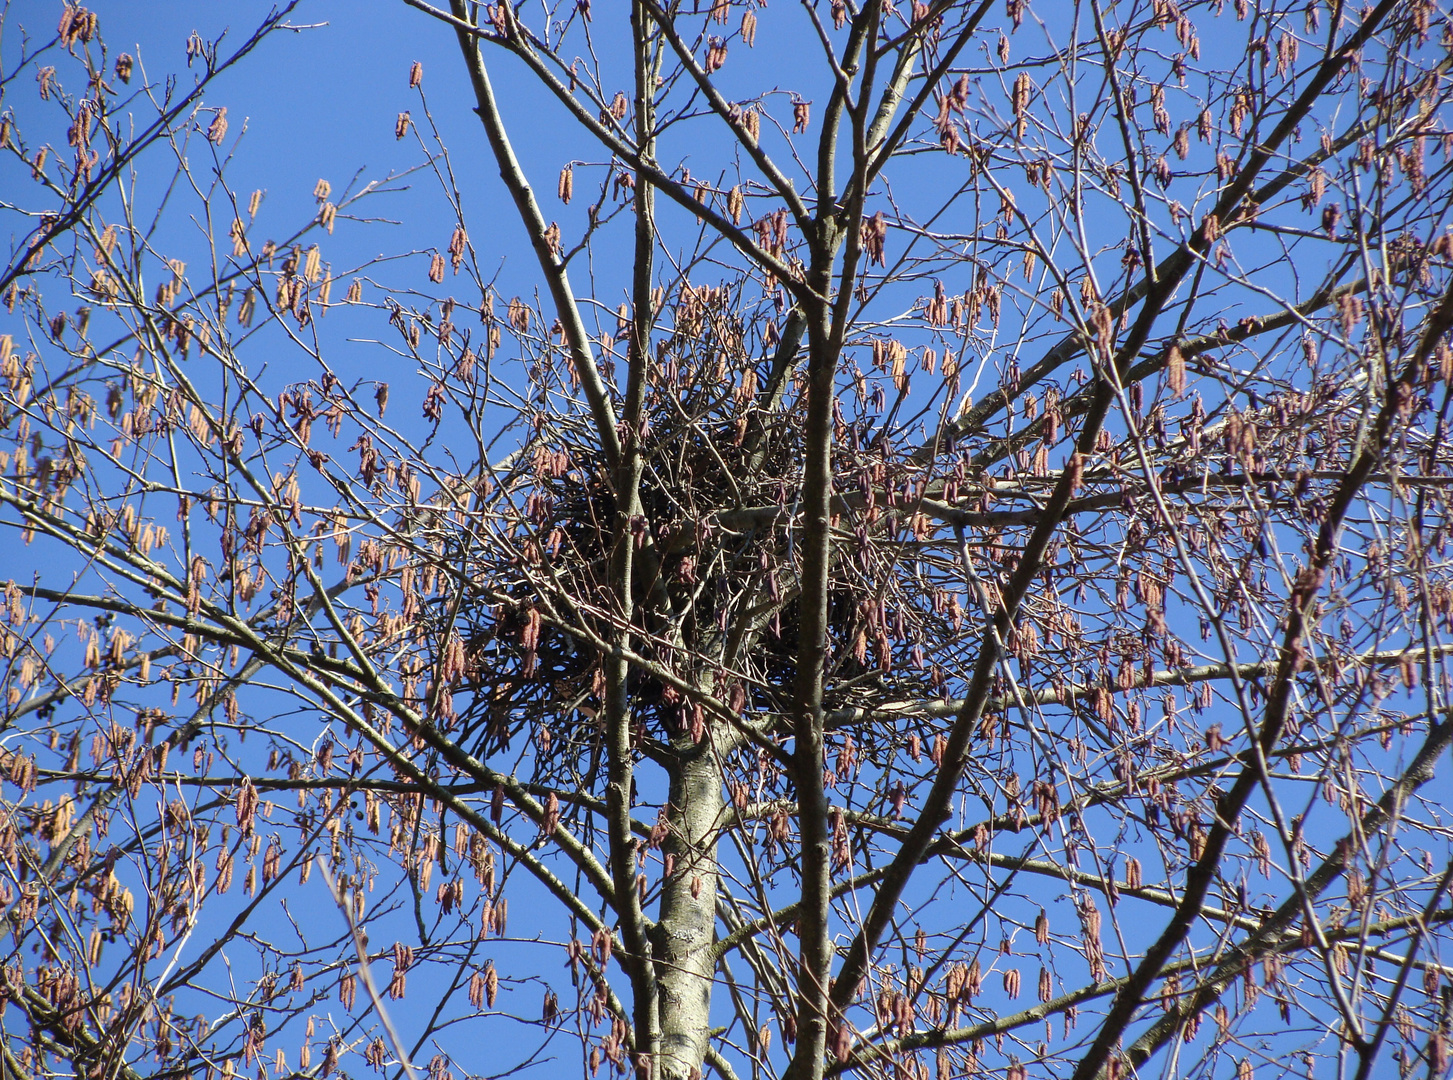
x=322, y=102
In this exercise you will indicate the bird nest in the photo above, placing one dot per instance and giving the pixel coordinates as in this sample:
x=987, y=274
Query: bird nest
x=716, y=554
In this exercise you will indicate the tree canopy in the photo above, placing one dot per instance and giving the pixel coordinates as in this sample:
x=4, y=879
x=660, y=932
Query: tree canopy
x=901, y=540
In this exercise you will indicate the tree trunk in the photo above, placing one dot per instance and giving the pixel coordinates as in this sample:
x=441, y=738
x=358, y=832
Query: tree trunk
x=686, y=931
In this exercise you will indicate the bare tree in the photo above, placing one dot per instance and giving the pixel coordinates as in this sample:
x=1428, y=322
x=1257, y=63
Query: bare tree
x=939, y=568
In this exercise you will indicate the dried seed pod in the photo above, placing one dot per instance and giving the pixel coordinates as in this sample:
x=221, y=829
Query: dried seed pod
x=1175, y=371
x=1011, y=982
x=217, y=129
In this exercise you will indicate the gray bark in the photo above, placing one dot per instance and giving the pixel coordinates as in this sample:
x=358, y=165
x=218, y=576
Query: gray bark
x=685, y=959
